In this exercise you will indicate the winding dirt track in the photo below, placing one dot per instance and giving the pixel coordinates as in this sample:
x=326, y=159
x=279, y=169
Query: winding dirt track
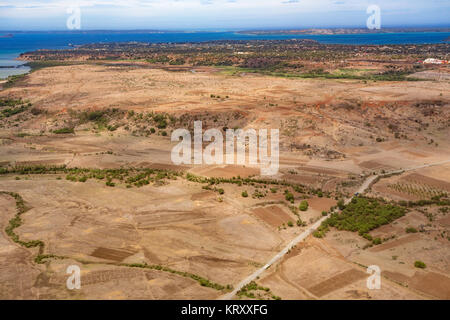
x=367, y=183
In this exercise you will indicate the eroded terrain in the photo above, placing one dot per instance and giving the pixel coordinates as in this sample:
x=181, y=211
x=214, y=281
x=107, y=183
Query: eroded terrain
x=188, y=232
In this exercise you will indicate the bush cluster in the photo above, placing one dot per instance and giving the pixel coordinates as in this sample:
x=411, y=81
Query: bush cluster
x=362, y=215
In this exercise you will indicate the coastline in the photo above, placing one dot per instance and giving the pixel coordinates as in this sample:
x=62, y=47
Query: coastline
x=342, y=31
x=19, y=69
x=22, y=42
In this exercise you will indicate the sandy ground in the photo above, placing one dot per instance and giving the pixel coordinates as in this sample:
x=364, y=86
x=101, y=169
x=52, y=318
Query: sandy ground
x=305, y=111
x=186, y=228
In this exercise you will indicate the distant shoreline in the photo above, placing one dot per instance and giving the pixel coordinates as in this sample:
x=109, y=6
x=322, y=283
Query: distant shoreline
x=26, y=42
x=293, y=31
x=341, y=31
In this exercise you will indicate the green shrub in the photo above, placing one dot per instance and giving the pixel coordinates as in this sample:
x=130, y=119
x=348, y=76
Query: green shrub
x=290, y=224
x=245, y=194
x=258, y=194
x=411, y=230
x=341, y=204
x=367, y=236
x=289, y=197
x=162, y=124
x=376, y=241
x=304, y=205
x=64, y=131
x=110, y=184
x=95, y=115
x=420, y=264
x=319, y=234
x=112, y=128
x=71, y=178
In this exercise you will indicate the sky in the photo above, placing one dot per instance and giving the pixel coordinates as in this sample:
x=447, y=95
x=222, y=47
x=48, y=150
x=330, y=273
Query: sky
x=218, y=14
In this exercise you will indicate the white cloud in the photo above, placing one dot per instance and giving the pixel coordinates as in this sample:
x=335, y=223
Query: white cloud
x=195, y=12
x=275, y=4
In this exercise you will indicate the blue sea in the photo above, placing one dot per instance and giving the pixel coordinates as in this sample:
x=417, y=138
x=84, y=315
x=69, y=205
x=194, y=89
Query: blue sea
x=12, y=47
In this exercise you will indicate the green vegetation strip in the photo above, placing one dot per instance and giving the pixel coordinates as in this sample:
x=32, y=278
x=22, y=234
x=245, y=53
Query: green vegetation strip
x=17, y=222
x=41, y=258
x=139, y=177
x=252, y=181
x=248, y=291
x=202, y=281
x=130, y=176
x=37, y=65
x=362, y=215
x=64, y=131
x=386, y=76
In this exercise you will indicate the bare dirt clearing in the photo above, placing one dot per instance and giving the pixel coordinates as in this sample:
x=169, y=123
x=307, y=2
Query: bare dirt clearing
x=334, y=135
x=310, y=128
x=89, y=222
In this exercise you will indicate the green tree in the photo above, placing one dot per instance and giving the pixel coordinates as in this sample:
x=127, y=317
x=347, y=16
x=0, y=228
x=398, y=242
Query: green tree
x=341, y=204
x=304, y=205
x=289, y=197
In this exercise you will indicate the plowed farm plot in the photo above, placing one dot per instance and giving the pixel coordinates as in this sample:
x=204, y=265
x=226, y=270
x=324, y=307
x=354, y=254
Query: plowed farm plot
x=273, y=216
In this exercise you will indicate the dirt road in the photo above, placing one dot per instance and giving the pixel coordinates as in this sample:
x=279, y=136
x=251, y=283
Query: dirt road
x=312, y=228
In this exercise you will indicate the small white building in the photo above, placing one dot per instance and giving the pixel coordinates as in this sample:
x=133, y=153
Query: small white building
x=434, y=61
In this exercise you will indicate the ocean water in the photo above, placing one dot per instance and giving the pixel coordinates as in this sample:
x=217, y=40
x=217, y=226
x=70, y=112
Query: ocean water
x=9, y=66
x=12, y=47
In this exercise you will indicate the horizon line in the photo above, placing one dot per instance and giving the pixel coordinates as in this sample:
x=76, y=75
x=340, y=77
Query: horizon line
x=424, y=27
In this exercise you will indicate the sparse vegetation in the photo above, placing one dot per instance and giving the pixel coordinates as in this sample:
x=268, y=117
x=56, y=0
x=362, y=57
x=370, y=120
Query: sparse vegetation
x=17, y=221
x=130, y=176
x=289, y=196
x=304, y=205
x=10, y=107
x=341, y=127
x=420, y=190
x=41, y=257
x=411, y=230
x=362, y=215
x=251, y=291
x=64, y=131
x=202, y=281
x=419, y=264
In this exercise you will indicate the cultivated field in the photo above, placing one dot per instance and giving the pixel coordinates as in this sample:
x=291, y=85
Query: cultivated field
x=142, y=228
